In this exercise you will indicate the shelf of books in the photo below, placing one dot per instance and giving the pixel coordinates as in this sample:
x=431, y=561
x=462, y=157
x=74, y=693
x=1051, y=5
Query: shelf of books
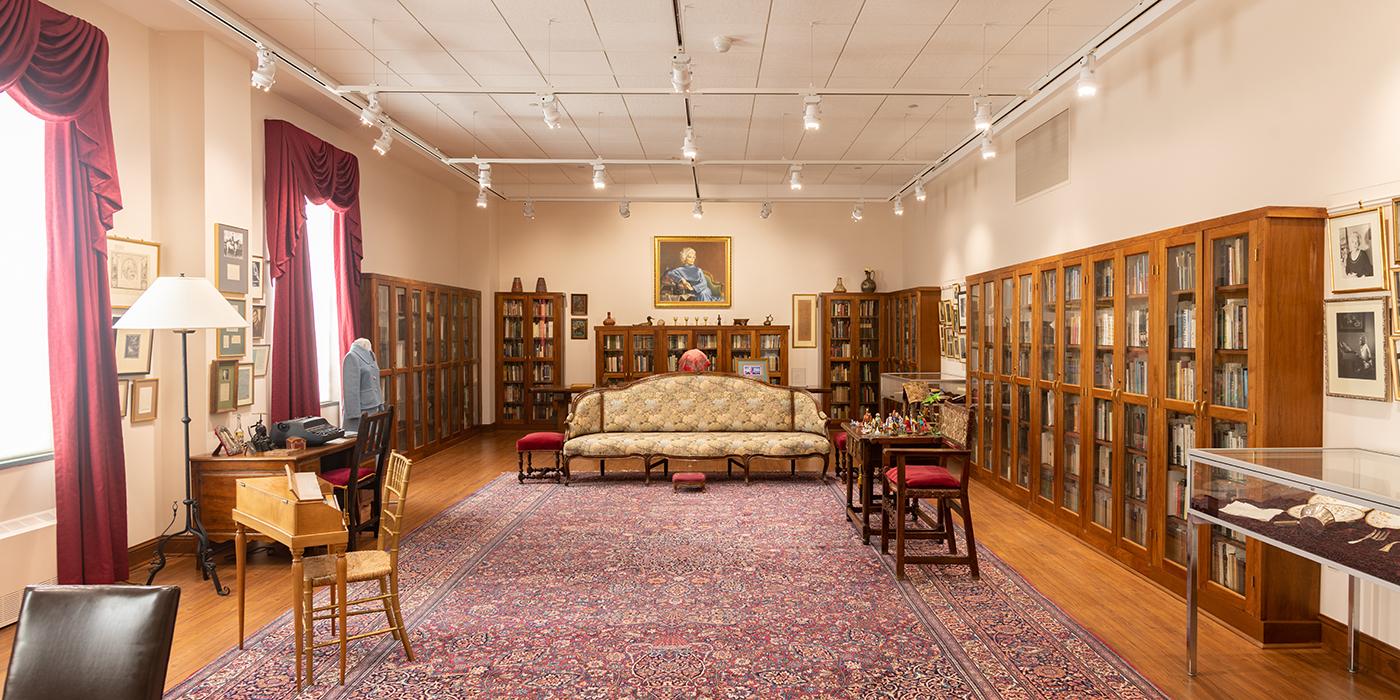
x=528, y=355
x=628, y=353
x=1137, y=351
x=852, y=349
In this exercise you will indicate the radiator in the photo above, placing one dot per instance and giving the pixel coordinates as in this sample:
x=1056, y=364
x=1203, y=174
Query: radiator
x=30, y=552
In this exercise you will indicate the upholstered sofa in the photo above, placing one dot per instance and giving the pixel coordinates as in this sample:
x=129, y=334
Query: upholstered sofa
x=696, y=416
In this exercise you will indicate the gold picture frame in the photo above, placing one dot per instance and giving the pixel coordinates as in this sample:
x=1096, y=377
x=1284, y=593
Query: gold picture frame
x=145, y=397
x=132, y=265
x=223, y=386
x=1349, y=272
x=685, y=272
x=233, y=342
x=806, y=320
x=1394, y=347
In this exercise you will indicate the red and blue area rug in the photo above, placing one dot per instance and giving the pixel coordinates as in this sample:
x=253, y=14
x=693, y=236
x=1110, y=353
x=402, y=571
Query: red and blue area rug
x=618, y=590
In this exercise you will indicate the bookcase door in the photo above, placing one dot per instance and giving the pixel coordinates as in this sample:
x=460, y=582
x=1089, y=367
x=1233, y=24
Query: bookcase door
x=677, y=342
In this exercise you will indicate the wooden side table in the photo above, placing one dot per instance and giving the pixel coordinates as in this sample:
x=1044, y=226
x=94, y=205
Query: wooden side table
x=867, y=454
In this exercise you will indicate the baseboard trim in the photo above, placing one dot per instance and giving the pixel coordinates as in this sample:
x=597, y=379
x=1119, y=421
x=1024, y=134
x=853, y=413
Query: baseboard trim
x=1374, y=656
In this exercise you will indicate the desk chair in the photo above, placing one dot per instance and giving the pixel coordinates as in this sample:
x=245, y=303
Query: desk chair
x=366, y=468
x=87, y=642
x=931, y=478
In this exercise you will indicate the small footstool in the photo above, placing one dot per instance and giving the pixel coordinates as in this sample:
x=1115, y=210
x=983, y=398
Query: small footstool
x=692, y=481
x=526, y=447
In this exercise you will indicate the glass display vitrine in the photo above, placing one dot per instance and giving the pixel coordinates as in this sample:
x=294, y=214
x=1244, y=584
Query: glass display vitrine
x=770, y=348
x=613, y=362
x=1102, y=494
x=1025, y=320
x=708, y=342
x=974, y=335
x=513, y=357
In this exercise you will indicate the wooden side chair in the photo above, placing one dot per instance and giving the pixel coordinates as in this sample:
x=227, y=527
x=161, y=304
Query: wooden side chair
x=936, y=475
x=367, y=462
x=380, y=564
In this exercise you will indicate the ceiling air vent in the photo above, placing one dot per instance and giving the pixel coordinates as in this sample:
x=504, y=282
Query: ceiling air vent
x=1042, y=157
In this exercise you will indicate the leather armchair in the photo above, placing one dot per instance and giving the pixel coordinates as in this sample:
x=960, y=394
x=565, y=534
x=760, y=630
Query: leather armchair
x=87, y=642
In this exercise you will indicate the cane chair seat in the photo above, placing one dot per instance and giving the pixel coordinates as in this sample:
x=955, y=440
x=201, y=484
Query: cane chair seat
x=360, y=565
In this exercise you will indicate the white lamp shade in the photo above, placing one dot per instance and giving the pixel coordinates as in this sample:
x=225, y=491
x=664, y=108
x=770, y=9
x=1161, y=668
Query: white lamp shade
x=180, y=303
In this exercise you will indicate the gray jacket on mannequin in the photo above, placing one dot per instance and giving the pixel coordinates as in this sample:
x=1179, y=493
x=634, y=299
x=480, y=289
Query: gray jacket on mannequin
x=359, y=385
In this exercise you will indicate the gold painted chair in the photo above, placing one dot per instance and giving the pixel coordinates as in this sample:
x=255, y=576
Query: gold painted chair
x=380, y=564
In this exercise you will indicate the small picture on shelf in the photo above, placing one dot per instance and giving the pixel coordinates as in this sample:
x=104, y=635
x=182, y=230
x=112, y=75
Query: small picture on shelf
x=1357, y=251
x=578, y=328
x=578, y=304
x=1356, y=335
x=753, y=369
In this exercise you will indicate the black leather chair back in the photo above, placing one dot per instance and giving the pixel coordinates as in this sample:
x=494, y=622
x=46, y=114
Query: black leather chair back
x=90, y=642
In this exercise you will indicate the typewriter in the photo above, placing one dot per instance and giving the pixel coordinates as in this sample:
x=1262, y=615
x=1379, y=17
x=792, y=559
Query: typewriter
x=314, y=429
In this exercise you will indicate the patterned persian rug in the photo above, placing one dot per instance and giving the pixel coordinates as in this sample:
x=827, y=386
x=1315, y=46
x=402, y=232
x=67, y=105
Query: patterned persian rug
x=618, y=590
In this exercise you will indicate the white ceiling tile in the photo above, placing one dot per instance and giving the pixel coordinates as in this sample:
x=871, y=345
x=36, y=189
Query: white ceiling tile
x=491, y=63
x=490, y=34
x=451, y=10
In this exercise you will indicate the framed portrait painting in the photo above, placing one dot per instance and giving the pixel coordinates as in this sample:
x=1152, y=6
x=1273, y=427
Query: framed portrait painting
x=804, y=320
x=1357, y=252
x=145, y=394
x=1357, y=334
x=132, y=265
x=578, y=329
x=578, y=304
x=692, y=271
x=231, y=259
x=258, y=322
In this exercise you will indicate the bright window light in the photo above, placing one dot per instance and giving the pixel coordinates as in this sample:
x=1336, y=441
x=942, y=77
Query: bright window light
x=320, y=239
x=26, y=425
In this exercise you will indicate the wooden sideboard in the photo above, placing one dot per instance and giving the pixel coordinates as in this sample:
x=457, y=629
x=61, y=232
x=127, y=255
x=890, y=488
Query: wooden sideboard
x=215, y=478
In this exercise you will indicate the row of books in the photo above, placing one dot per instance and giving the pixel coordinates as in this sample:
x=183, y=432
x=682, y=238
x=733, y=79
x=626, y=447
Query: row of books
x=1135, y=419
x=613, y=364
x=869, y=329
x=1135, y=523
x=869, y=348
x=1047, y=285
x=1181, y=436
x=612, y=343
x=643, y=362
x=840, y=373
x=770, y=341
x=512, y=307
x=1103, y=370
x=1135, y=478
x=841, y=308
x=1182, y=326
x=1232, y=325
x=1228, y=563
x=513, y=347
x=740, y=342
x=543, y=329
x=1103, y=327
x=1181, y=379
x=1074, y=284
x=543, y=308
x=840, y=348
x=1232, y=384
x=1103, y=420
x=1230, y=435
x=513, y=328
x=1136, y=275
x=1103, y=280
x=1136, y=375
x=1176, y=492
x=513, y=372
x=869, y=372
x=513, y=393
x=1232, y=261
x=841, y=394
x=543, y=374
x=543, y=348
x=1182, y=263
x=869, y=308
x=1137, y=327
x=1103, y=508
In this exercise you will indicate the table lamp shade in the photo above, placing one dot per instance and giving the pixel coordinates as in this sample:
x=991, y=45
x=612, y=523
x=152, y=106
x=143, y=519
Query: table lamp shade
x=180, y=303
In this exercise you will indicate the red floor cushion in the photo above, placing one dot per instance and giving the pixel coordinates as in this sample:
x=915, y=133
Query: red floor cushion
x=540, y=442
x=341, y=477
x=919, y=477
x=688, y=478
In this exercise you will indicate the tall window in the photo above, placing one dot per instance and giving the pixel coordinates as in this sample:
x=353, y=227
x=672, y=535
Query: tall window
x=26, y=425
x=320, y=239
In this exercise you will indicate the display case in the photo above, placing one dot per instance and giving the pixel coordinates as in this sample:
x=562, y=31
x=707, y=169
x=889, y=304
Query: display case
x=529, y=353
x=1334, y=506
x=892, y=384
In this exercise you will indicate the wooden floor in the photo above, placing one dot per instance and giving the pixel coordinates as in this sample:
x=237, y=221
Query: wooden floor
x=1140, y=621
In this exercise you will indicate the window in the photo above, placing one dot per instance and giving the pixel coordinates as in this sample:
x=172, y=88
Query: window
x=26, y=424
x=320, y=242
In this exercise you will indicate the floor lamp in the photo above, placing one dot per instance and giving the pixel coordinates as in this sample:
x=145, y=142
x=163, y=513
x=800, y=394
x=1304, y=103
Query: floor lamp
x=184, y=305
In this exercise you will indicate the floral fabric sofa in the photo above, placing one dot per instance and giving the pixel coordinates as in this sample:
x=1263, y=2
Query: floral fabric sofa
x=696, y=416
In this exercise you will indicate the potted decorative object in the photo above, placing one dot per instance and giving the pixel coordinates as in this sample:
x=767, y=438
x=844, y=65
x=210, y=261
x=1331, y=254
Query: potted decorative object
x=741, y=322
x=609, y=321
x=868, y=285
x=541, y=288
x=840, y=287
x=768, y=320
x=516, y=286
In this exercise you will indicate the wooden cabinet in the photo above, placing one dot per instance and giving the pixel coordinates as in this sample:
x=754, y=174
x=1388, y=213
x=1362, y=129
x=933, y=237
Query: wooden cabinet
x=628, y=353
x=913, y=330
x=1095, y=371
x=852, y=350
x=529, y=353
x=428, y=342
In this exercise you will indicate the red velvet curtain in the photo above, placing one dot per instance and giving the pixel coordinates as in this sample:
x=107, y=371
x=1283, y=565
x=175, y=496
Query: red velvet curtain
x=55, y=66
x=301, y=167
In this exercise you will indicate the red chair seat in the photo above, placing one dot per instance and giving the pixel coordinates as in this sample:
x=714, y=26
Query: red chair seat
x=688, y=478
x=540, y=442
x=840, y=440
x=920, y=477
x=341, y=477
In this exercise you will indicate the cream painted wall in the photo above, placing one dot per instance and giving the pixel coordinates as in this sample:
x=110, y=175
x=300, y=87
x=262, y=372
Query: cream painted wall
x=1223, y=107
x=587, y=248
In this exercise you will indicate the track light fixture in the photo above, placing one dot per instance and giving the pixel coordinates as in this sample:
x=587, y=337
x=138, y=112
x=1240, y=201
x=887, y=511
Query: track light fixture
x=981, y=113
x=549, y=104
x=598, y=181
x=919, y=193
x=624, y=209
x=1088, y=84
x=680, y=72
x=899, y=206
x=481, y=199
x=372, y=112
x=811, y=112
x=697, y=211
x=528, y=210
x=688, y=149
x=385, y=140
x=795, y=177
x=858, y=212
x=483, y=175
x=266, y=72
x=766, y=210
x=989, y=147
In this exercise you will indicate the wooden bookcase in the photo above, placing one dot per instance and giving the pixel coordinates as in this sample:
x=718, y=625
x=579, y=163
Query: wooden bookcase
x=1094, y=371
x=853, y=340
x=529, y=353
x=427, y=338
x=628, y=353
x=913, y=330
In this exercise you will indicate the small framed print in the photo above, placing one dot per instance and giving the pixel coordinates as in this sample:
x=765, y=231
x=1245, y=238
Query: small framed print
x=256, y=268
x=245, y=384
x=1395, y=363
x=804, y=320
x=578, y=304
x=223, y=386
x=231, y=259
x=1357, y=251
x=145, y=395
x=132, y=265
x=123, y=394
x=752, y=369
x=258, y=322
x=1395, y=299
x=578, y=329
x=261, y=355
x=133, y=350
x=1357, y=332
x=233, y=342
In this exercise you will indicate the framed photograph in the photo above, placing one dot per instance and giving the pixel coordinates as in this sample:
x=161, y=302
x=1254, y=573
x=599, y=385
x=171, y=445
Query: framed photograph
x=1356, y=247
x=578, y=304
x=132, y=265
x=245, y=384
x=1395, y=299
x=231, y=259
x=227, y=442
x=578, y=328
x=692, y=271
x=1395, y=364
x=124, y=394
x=804, y=320
x=258, y=320
x=753, y=369
x=960, y=298
x=133, y=348
x=233, y=342
x=223, y=386
x=1357, y=331
x=256, y=268
x=262, y=355
x=145, y=394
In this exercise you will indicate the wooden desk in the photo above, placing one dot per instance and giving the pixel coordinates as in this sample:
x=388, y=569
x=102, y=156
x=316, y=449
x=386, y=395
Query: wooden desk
x=867, y=453
x=213, y=478
x=267, y=506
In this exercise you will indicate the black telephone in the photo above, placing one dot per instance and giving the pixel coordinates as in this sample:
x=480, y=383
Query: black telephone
x=314, y=429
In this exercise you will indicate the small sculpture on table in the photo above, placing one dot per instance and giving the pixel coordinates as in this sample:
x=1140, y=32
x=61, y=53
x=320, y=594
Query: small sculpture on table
x=768, y=320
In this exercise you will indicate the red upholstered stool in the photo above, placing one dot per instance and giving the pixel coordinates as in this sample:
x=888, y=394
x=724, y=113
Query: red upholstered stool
x=838, y=443
x=526, y=447
x=688, y=480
